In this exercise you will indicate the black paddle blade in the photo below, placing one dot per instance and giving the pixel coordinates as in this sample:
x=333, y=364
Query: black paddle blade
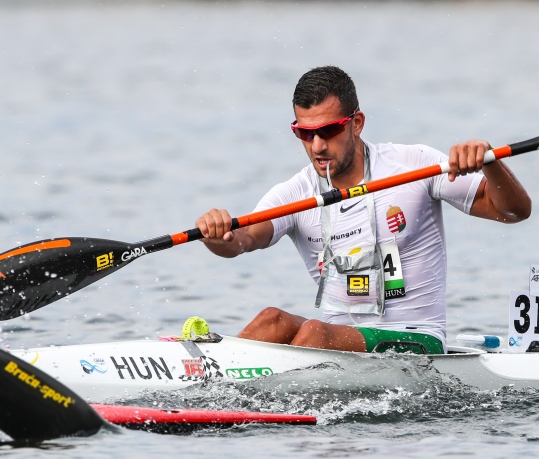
x=35, y=406
x=34, y=275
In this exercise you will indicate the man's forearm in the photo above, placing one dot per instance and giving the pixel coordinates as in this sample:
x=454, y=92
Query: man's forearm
x=226, y=250
x=506, y=193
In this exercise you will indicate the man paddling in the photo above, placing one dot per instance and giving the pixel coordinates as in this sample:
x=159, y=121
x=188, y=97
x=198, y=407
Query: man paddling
x=379, y=259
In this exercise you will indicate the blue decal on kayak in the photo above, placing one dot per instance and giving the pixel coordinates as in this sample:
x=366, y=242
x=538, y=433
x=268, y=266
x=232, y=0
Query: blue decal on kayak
x=90, y=368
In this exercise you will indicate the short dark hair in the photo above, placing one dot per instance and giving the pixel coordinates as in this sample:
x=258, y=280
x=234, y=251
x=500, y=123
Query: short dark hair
x=319, y=83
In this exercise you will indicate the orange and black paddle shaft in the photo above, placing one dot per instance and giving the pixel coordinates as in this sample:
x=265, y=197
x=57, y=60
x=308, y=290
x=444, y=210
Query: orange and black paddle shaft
x=517, y=148
x=442, y=168
x=37, y=274
x=337, y=195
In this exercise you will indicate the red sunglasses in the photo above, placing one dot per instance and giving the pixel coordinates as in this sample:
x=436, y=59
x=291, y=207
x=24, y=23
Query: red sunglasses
x=324, y=131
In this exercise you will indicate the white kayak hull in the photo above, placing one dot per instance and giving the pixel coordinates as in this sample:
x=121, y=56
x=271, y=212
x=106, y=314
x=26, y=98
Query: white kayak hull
x=126, y=369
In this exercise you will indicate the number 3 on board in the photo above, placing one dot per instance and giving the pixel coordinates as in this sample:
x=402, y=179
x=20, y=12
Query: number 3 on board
x=523, y=321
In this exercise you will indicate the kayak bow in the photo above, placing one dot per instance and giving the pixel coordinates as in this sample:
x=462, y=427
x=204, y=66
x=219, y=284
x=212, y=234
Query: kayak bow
x=35, y=407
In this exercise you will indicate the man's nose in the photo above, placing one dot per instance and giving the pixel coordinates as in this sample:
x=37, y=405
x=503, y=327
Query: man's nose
x=318, y=145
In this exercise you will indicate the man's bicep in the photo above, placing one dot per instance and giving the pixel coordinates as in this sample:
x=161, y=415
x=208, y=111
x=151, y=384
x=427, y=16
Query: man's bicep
x=460, y=194
x=480, y=207
x=484, y=208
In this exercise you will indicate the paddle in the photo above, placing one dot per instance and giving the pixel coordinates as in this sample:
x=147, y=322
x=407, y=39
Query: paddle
x=35, y=406
x=39, y=273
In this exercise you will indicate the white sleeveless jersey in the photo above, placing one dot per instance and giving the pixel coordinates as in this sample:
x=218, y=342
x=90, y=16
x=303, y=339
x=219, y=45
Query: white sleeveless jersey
x=409, y=214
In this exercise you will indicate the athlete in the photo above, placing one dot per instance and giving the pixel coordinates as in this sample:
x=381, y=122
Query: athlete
x=379, y=259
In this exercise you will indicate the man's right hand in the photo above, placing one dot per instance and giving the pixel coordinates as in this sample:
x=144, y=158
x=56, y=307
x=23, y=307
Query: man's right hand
x=215, y=227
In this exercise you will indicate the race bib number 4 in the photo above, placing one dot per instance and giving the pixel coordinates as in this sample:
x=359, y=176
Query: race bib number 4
x=523, y=322
x=393, y=278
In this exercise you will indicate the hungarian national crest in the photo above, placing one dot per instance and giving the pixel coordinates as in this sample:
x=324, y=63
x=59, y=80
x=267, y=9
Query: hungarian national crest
x=395, y=219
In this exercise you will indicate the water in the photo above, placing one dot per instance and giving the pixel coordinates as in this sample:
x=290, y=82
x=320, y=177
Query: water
x=128, y=120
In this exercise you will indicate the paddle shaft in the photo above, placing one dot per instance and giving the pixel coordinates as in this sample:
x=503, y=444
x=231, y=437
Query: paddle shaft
x=337, y=195
x=37, y=274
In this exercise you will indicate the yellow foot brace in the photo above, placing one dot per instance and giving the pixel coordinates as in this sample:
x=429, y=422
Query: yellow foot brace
x=195, y=326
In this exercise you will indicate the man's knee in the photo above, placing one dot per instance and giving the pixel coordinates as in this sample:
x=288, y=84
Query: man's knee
x=321, y=335
x=272, y=325
x=311, y=331
x=313, y=326
x=270, y=315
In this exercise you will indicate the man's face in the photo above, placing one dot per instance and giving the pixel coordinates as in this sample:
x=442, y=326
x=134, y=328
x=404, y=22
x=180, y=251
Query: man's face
x=339, y=150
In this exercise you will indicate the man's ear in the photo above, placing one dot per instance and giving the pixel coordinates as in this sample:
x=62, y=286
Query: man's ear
x=359, y=123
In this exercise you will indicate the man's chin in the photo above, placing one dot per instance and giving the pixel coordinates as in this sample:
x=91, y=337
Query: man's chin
x=322, y=172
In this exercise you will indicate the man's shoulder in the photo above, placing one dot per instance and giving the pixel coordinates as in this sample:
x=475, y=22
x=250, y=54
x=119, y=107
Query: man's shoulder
x=306, y=178
x=416, y=155
x=400, y=148
x=301, y=185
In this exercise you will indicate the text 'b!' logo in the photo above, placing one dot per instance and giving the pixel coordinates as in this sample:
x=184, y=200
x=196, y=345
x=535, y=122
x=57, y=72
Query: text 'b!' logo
x=104, y=261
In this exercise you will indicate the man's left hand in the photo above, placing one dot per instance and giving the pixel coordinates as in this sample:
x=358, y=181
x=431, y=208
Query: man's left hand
x=467, y=157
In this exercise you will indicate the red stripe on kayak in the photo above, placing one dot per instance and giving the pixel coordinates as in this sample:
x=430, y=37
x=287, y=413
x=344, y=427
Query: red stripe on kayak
x=58, y=244
x=132, y=414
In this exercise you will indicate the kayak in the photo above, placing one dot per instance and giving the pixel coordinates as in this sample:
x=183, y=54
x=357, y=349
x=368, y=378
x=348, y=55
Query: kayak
x=126, y=369
x=35, y=406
